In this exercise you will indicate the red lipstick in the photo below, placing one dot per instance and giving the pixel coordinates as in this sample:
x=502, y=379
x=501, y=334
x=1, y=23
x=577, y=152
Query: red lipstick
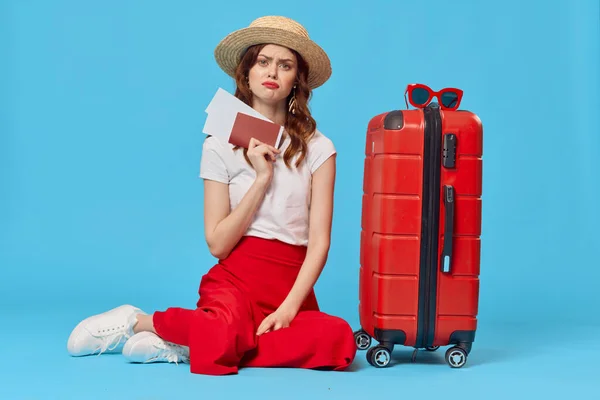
x=270, y=85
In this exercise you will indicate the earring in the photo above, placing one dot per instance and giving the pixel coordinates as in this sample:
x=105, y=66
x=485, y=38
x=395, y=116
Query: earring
x=292, y=107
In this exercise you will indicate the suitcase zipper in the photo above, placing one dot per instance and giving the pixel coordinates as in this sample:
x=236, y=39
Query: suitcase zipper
x=429, y=232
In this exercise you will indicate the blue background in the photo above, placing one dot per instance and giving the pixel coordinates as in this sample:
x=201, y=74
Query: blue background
x=101, y=112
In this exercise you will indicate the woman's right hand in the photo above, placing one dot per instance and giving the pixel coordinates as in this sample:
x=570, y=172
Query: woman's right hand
x=262, y=156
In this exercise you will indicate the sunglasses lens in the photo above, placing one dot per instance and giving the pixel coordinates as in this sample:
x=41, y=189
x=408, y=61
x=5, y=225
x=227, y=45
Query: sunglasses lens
x=419, y=96
x=449, y=99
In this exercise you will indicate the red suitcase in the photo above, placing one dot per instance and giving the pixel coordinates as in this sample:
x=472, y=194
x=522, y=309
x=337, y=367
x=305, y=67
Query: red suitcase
x=420, y=236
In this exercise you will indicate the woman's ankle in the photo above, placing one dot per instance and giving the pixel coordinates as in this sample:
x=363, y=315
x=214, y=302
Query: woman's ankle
x=143, y=323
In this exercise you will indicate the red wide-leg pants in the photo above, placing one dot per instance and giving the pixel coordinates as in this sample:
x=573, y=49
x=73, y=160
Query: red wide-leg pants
x=235, y=296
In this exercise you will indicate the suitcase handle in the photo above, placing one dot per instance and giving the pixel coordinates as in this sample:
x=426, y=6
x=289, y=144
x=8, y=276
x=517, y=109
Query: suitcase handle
x=446, y=261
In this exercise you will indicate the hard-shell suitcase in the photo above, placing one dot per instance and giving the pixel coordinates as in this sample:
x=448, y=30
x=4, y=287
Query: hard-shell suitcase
x=420, y=236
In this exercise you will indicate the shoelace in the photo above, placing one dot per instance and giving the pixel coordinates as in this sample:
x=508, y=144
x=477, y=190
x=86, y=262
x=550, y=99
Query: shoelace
x=171, y=351
x=112, y=340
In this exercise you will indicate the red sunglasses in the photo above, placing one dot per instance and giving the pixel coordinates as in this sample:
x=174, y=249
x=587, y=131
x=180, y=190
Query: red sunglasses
x=420, y=95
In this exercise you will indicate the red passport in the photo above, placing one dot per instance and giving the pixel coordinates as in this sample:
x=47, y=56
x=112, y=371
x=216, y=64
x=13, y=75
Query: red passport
x=246, y=127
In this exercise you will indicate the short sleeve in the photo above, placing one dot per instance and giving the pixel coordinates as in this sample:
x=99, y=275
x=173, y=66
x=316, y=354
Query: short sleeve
x=212, y=165
x=320, y=149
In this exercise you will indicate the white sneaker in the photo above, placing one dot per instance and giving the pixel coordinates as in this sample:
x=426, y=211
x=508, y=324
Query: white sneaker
x=147, y=347
x=103, y=333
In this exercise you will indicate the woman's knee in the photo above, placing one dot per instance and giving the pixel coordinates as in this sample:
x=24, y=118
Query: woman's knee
x=340, y=337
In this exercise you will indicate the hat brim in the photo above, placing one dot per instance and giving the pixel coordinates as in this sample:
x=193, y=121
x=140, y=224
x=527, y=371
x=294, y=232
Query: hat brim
x=229, y=51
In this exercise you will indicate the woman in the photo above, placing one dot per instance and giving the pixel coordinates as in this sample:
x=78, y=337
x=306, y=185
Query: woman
x=268, y=214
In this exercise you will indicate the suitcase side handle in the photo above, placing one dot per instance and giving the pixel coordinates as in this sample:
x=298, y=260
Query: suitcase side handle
x=446, y=261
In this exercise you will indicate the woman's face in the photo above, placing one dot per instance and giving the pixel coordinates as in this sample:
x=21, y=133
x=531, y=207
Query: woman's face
x=273, y=75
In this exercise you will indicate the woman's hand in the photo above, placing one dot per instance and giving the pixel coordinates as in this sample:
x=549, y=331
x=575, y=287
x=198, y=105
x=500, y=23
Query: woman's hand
x=281, y=318
x=262, y=156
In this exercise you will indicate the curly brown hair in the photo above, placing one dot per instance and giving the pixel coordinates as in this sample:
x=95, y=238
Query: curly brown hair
x=300, y=126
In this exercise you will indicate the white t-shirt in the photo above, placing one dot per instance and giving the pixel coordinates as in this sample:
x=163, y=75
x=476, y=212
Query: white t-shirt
x=284, y=212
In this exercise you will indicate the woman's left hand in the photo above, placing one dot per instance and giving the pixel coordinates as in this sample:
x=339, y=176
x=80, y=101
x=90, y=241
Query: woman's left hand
x=281, y=318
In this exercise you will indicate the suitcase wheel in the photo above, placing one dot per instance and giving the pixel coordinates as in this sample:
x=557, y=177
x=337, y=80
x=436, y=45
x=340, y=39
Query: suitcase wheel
x=456, y=357
x=379, y=356
x=362, y=340
x=432, y=348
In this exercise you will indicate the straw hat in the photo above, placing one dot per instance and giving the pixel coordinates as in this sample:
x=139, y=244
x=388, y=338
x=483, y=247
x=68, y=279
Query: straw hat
x=275, y=30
